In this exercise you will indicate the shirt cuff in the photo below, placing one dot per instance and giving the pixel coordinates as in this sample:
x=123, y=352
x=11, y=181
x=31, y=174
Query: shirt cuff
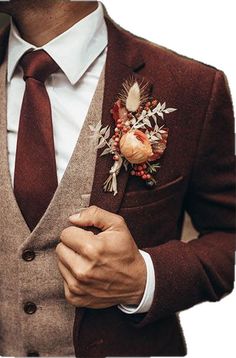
x=148, y=295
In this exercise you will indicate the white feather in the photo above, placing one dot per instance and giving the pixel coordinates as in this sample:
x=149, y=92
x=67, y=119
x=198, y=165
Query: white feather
x=133, y=98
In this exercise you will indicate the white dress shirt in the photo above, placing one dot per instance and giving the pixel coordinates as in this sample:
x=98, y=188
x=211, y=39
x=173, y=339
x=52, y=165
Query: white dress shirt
x=80, y=53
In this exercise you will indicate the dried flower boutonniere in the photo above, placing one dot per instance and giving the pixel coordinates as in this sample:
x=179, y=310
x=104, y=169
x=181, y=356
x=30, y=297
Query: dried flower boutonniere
x=139, y=139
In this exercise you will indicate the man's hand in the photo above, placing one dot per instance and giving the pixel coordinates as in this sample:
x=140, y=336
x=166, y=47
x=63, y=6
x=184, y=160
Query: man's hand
x=100, y=270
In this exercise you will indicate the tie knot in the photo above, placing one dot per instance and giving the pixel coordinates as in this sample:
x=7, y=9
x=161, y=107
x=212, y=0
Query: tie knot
x=38, y=65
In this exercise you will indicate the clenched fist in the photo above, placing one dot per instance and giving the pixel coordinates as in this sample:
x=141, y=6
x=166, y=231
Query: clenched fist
x=100, y=270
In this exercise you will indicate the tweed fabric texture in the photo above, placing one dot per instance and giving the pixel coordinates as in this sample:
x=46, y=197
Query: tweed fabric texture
x=196, y=175
x=49, y=329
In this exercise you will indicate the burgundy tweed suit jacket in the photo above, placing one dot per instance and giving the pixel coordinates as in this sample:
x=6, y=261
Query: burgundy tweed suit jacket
x=196, y=175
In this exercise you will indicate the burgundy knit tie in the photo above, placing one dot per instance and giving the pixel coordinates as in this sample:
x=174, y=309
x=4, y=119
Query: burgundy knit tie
x=35, y=178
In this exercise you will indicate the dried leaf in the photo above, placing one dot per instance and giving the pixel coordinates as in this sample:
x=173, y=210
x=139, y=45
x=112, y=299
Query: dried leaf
x=140, y=125
x=126, y=164
x=97, y=128
x=106, y=151
x=163, y=106
x=147, y=122
x=92, y=128
x=101, y=143
x=153, y=137
x=133, y=98
x=158, y=107
x=107, y=134
x=169, y=110
x=103, y=130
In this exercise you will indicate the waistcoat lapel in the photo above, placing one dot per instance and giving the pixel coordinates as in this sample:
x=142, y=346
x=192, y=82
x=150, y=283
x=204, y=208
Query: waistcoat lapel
x=75, y=187
x=123, y=62
x=8, y=208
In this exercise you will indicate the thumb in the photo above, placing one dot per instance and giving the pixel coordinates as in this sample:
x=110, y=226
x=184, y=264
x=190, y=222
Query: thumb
x=97, y=217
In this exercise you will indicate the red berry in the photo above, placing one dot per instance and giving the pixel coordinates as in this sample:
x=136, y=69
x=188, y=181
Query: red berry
x=116, y=157
x=119, y=121
x=119, y=126
x=144, y=176
x=142, y=173
x=144, y=166
x=117, y=139
x=140, y=167
x=148, y=176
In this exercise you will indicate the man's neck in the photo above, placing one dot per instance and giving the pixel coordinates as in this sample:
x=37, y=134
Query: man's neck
x=39, y=25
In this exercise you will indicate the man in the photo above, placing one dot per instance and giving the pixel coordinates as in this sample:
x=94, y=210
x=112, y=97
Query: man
x=126, y=298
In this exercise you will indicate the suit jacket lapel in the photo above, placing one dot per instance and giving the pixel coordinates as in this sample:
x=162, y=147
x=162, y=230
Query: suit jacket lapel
x=123, y=61
x=8, y=202
x=4, y=34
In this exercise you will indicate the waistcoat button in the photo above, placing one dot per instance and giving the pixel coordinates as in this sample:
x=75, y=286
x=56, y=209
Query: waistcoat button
x=28, y=255
x=30, y=307
x=33, y=354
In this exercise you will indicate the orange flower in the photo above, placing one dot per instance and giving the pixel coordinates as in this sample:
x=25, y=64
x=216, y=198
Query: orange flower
x=135, y=147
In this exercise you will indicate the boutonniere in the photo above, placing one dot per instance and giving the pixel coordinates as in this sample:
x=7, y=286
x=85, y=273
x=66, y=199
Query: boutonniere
x=139, y=139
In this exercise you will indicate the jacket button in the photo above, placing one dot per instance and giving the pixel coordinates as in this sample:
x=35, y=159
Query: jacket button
x=28, y=255
x=33, y=354
x=30, y=307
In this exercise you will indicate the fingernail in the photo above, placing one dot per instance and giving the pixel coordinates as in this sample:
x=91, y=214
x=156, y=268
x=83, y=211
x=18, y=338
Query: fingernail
x=77, y=215
x=74, y=217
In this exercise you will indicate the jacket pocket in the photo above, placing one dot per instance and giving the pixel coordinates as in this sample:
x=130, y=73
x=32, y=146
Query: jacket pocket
x=146, y=197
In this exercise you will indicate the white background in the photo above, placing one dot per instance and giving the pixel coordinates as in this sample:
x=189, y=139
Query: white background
x=203, y=30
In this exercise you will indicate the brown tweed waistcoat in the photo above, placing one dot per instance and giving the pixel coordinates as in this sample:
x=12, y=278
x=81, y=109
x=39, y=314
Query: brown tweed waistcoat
x=49, y=330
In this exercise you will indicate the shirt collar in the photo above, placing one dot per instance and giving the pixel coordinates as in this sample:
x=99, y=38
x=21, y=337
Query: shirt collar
x=74, y=50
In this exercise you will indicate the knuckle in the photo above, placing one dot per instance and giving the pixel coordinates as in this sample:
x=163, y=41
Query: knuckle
x=58, y=248
x=67, y=232
x=120, y=220
x=72, y=301
x=90, y=250
x=69, y=296
x=99, y=249
x=73, y=288
x=84, y=276
x=94, y=209
x=80, y=275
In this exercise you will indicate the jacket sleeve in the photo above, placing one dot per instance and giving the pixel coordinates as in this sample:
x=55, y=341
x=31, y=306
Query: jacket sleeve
x=202, y=269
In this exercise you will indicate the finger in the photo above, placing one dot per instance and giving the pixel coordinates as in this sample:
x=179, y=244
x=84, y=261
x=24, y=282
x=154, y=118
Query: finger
x=70, y=297
x=81, y=268
x=70, y=280
x=69, y=258
x=95, y=216
x=79, y=240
